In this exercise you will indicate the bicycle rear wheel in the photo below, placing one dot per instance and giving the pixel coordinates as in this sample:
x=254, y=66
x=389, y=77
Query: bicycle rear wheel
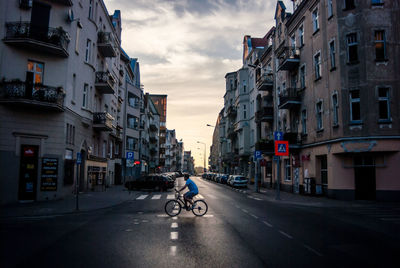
x=172, y=208
x=200, y=208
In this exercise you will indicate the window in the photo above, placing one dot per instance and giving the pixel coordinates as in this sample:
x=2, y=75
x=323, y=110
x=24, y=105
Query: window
x=349, y=4
x=90, y=9
x=304, y=122
x=131, y=143
x=332, y=54
x=244, y=111
x=104, y=151
x=380, y=45
x=317, y=65
x=288, y=176
x=293, y=41
x=384, y=104
x=335, y=108
x=244, y=86
x=70, y=135
x=301, y=36
x=302, y=76
x=85, y=96
x=133, y=122
x=330, y=8
x=78, y=31
x=355, y=114
x=319, y=111
x=88, y=51
x=352, y=48
x=315, y=20
x=73, y=87
x=37, y=69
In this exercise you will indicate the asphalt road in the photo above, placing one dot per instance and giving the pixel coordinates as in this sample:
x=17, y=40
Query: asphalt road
x=239, y=230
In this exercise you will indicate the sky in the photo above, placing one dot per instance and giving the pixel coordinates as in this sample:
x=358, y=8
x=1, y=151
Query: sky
x=185, y=48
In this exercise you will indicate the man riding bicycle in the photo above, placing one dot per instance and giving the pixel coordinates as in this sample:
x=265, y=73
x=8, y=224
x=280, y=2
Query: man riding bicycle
x=193, y=190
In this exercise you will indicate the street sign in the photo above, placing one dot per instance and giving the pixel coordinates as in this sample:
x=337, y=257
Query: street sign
x=257, y=155
x=278, y=135
x=282, y=148
x=130, y=161
x=78, y=158
x=275, y=158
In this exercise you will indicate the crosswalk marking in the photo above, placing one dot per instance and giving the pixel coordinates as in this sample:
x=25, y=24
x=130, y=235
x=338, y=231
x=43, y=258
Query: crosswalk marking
x=143, y=196
x=170, y=196
x=157, y=196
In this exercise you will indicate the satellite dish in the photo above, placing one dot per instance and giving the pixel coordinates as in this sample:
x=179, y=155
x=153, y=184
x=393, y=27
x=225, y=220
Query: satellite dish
x=70, y=15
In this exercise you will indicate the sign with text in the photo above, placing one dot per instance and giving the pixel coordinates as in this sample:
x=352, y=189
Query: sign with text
x=49, y=174
x=130, y=161
x=257, y=155
x=282, y=148
x=278, y=135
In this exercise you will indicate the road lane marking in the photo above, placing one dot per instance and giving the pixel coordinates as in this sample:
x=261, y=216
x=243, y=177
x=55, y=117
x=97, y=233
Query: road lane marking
x=313, y=250
x=175, y=218
x=254, y=216
x=143, y=196
x=128, y=230
x=245, y=211
x=174, y=225
x=200, y=196
x=157, y=196
x=256, y=198
x=162, y=216
x=208, y=216
x=170, y=196
x=285, y=234
x=268, y=224
x=175, y=211
x=174, y=235
x=172, y=250
x=211, y=196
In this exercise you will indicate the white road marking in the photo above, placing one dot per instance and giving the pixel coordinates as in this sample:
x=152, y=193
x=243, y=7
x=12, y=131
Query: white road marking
x=256, y=198
x=174, y=235
x=145, y=221
x=200, y=196
x=143, y=196
x=254, y=216
x=175, y=211
x=285, y=234
x=128, y=230
x=175, y=218
x=208, y=216
x=140, y=212
x=244, y=210
x=157, y=196
x=174, y=225
x=162, y=216
x=136, y=222
x=211, y=196
x=172, y=250
x=170, y=196
x=313, y=251
x=267, y=223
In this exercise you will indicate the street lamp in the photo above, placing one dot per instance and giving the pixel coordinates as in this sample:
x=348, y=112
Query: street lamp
x=208, y=125
x=204, y=153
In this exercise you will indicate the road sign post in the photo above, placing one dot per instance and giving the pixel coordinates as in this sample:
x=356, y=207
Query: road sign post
x=78, y=163
x=281, y=149
x=257, y=157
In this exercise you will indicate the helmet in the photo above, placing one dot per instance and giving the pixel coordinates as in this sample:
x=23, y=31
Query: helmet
x=186, y=176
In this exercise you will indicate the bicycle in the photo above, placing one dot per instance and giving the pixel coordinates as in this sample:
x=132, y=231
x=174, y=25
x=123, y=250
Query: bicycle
x=174, y=207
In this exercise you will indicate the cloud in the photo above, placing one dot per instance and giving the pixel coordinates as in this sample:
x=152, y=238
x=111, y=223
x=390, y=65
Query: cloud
x=185, y=48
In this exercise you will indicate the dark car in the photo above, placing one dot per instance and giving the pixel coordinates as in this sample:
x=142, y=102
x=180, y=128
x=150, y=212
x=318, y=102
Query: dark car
x=154, y=182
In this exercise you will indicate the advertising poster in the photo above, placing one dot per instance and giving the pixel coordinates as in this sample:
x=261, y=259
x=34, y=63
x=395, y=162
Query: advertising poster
x=49, y=174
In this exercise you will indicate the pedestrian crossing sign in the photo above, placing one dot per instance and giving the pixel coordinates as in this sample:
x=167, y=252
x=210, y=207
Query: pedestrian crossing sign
x=282, y=148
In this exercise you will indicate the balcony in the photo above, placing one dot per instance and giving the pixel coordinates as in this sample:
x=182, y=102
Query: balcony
x=104, y=82
x=232, y=111
x=265, y=114
x=265, y=146
x=289, y=99
x=46, y=40
x=152, y=140
x=231, y=132
x=153, y=151
x=102, y=121
x=63, y=2
x=153, y=127
x=265, y=82
x=105, y=44
x=292, y=137
x=289, y=59
x=40, y=97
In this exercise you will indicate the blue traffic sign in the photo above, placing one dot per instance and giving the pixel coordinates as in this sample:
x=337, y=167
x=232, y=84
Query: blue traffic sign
x=130, y=155
x=282, y=148
x=278, y=135
x=257, y=155
x=78, y=158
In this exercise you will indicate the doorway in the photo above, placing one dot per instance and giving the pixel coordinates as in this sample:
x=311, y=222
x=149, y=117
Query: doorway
x=28, y=173
x=40, y=20
x=364, y=176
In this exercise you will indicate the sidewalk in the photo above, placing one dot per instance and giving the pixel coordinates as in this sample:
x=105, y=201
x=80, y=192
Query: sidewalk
x=87, y=201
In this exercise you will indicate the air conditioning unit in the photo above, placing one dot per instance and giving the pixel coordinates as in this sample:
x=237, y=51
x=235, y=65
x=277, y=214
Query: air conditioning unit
x=25, y=4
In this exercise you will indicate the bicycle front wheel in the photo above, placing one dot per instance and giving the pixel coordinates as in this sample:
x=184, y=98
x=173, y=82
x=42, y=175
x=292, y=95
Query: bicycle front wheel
x=172, y=208
x=200, y=208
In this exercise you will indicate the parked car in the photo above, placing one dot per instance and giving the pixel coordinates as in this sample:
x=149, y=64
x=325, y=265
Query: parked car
x=224, y=178
x=155, y=182
x=237, y=181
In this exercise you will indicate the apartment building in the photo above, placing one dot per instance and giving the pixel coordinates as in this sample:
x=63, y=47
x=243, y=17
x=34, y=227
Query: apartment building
x=61, y=95
x=188, y=162
x=153, y=119
x=160, y=102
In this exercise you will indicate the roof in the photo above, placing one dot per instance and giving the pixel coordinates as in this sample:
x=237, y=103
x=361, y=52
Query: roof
x=282, y=5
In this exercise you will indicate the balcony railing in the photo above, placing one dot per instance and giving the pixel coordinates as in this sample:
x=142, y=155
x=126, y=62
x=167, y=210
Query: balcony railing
x=105, y=82
x=152, y=140
x=153, y=127
x=41, y=97
x=47, y=40
x=102, y=121
x=105, y=44
x=290, y=98
x=231, y=111
x=265, y=82
x=231, y=132
x=289, y=58
x=265, y=146
x=265, y=114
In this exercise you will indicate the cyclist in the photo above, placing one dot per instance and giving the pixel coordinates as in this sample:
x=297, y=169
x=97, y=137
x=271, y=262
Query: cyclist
x=193, y=190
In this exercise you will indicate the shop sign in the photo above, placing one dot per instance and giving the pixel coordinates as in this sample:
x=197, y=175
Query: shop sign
x=49, y=174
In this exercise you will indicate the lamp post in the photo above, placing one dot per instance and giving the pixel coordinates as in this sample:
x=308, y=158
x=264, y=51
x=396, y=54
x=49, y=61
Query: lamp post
x=208, y=125
x=204, y=154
